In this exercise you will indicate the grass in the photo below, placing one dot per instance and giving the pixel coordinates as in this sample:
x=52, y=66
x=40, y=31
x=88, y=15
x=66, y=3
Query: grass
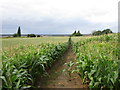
x=10, y=43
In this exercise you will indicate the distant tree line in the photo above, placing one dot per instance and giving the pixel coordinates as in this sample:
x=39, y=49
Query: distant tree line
x=76, y=33
x=18, y=34
x=33, y=35
x=106, y=31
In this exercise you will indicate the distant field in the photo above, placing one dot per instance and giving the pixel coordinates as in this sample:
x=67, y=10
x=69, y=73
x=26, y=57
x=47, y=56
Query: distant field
x=76, y=39
x=9, y=43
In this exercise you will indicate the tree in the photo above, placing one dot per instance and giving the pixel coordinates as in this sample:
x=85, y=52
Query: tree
x=31, y=35
x=106, y=31
x=19, y=32
x=97, y=33
x=15, y=35
x=77, y=33
x=38, y=36
x=74, y=33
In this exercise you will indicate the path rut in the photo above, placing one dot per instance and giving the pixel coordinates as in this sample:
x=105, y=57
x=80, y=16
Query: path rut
x=59, y=79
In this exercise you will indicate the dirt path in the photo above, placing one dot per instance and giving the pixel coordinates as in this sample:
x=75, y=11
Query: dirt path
x=59, y=79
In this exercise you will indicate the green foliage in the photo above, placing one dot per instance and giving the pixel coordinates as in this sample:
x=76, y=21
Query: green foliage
x=31, y=35
x=74, y=32
x=27, y=62
x=38, y=36
x=19, y=32
x=97, y=61
x=97, y=33
x=106, y=31
x=77, y=33
x=69, y=69
x=15, y=35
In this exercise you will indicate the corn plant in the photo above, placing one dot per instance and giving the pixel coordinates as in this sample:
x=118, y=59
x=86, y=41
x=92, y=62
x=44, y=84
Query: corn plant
x=21, y=67
x=97, y=61
x=69, y=70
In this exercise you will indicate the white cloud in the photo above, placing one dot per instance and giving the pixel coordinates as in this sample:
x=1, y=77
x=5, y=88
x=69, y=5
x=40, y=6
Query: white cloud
x=95, y=11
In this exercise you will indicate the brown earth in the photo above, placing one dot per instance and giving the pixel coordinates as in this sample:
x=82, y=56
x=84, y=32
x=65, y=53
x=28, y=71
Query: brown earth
x=59, y=79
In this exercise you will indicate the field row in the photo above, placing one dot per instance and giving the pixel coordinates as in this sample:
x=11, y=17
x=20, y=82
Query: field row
x=25, y=63
x=24, y=59
x=10, y=43
x=97, y=61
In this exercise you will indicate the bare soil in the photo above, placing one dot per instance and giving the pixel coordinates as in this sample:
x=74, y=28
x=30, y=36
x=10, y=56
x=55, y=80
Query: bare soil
x=59, y=79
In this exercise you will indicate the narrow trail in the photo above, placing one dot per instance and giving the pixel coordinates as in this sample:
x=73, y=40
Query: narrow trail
x=59, y=79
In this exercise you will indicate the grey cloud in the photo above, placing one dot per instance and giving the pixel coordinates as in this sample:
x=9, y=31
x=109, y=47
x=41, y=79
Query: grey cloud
x=53, y=26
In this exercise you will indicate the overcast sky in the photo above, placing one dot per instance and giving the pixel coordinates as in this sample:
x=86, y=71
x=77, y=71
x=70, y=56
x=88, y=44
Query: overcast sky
x=58, y=16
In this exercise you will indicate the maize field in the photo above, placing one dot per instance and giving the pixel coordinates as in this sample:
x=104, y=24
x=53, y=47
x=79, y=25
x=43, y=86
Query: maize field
x=21, y=66
x=97, y=61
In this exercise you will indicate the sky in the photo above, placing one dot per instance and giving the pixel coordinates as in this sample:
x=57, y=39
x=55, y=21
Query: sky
x=58, y=16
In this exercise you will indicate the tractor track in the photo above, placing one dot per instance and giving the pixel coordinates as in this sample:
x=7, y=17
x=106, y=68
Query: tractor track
x=59, y=79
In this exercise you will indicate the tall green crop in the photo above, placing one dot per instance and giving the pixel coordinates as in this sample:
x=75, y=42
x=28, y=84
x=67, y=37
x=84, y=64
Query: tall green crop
x=97, y=61
x=22, y=66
